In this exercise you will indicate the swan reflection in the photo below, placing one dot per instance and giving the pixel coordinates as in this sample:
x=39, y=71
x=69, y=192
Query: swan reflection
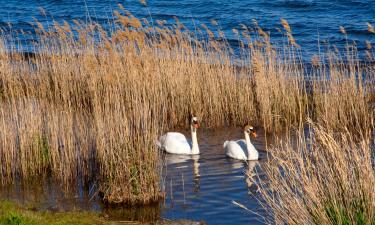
x=251, y=174
x=182, y=162
x=236, y=164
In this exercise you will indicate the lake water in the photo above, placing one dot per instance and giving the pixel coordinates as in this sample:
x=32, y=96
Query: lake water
x=311, y=20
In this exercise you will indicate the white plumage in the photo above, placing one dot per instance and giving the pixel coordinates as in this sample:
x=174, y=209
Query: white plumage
x=176, y=143
x=242, y=149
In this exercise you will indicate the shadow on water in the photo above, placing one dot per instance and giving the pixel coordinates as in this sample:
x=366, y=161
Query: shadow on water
x=147, y=213
x=200, y=187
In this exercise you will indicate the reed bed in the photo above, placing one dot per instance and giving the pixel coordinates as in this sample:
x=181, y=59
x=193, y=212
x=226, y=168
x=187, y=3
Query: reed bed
x=320, y=177
x=88, y=104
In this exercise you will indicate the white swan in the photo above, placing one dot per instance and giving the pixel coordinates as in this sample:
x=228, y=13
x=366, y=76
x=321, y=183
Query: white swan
x=176, y=143
x=242, y=149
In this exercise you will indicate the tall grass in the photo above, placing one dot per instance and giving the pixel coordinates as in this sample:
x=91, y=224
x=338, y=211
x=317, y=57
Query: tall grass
x=322, y=177
x=89, y=103
x=342, y=93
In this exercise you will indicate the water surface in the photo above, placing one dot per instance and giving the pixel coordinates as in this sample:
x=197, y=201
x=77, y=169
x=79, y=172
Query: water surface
x=311, y=20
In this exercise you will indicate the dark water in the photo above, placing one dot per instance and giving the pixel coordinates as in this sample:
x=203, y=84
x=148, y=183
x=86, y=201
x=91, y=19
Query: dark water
x=311, y=20
x=199, y=188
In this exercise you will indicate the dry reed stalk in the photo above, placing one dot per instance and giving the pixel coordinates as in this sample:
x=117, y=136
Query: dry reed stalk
x=322, y=177
x=340, y=96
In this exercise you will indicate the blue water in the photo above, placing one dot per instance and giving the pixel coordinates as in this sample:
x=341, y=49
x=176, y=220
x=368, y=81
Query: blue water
x=311, y=20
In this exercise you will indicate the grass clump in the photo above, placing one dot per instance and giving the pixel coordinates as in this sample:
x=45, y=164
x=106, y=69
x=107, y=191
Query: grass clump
x=324, y=178
x=16, y=219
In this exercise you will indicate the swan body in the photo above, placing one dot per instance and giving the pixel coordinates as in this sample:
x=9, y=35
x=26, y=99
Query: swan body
x=242, y=149
x=176, y=143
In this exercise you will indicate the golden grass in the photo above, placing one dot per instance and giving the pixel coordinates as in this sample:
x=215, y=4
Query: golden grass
x=321, y=177
x=89, y=104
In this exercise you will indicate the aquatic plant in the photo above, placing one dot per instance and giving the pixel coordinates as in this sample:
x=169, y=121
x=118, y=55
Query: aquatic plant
x=320, y=177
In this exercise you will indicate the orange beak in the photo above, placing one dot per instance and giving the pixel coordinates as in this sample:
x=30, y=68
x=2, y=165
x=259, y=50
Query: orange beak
x=196, y=125
x=254, y=134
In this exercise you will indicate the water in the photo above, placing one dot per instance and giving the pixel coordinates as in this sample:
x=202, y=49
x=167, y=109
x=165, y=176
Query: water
x=200, y=188
x=311, y=20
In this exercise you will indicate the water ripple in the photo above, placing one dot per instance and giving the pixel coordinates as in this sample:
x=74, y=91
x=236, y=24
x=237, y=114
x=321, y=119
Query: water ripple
x=306, y=17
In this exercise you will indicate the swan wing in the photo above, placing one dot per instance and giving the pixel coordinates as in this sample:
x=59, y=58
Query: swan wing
x=175, y=143
x=235, y=149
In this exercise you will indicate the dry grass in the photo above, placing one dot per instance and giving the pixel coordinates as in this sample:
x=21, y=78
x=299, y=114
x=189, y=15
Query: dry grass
x=342, y=93
x=324, y=177
x=89, y=104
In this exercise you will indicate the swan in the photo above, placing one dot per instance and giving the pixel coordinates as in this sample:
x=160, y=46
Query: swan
x=176, y=143
x=242, y=149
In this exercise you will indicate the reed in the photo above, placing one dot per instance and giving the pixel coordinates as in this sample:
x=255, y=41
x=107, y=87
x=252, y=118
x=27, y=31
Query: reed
x=88, y=104
x=321, y=177
x=342, y=94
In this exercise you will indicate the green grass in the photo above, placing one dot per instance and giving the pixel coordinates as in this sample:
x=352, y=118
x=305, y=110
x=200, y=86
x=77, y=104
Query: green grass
x=13, y=214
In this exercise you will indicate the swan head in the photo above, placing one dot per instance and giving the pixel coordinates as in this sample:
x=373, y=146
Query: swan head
x=194, y=122
x=250, y=130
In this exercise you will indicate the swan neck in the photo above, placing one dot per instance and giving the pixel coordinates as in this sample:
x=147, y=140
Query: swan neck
x=194, y=141
x=252, y=153
x=248, y=142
